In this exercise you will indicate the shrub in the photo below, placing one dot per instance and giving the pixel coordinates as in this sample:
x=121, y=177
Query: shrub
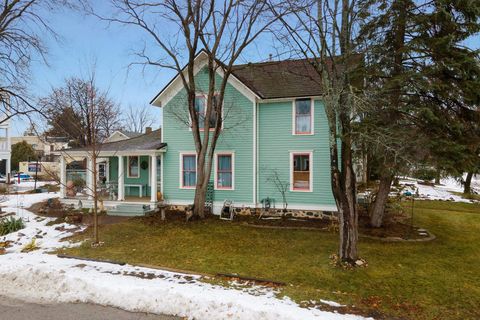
x=31, y=246
x=425, y=173
x=9, y=225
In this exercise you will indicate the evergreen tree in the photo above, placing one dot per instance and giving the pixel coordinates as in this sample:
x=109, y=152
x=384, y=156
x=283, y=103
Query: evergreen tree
x=422, y=86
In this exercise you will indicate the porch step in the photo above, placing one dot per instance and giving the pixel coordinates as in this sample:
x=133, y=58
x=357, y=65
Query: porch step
x=130, y=210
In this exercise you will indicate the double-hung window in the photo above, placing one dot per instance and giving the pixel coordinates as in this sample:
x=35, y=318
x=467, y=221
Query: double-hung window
x=188, y=176
x=201, y=109
x=133, y=167
x=301, y=171
x=224, y=176
x=303, y=116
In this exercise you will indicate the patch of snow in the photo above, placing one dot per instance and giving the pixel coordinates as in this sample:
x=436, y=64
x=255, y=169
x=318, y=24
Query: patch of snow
x=444, y=191
x=25, y=186
x=41, y=278
x=332, y=303
x=47, y=237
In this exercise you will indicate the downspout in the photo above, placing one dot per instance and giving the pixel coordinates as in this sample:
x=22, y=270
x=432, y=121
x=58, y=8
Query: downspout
x=255, y=153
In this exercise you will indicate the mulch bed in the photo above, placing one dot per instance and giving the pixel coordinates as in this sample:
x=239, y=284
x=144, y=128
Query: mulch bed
x=57, y=210
x=171, y=216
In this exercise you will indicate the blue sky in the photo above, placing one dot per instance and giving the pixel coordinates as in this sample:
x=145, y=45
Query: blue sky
x=85, y=39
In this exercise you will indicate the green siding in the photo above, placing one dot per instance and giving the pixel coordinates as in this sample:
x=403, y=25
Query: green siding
x=275, y=144
x=142, y=179
x=236, y=137
x=275, y=141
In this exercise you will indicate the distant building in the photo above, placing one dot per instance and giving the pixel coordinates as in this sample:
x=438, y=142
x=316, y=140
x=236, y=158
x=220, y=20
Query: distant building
x=120, y=135
x=5, y=143
x=44, y=146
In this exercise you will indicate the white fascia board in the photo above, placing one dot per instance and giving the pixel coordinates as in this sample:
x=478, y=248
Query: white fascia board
x=237, y=84
x=176, y=84
x=100, y=153
x=200, y=61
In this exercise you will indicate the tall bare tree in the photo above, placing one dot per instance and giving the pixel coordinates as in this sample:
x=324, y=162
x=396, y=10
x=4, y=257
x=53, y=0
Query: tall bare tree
x=137, y=119
x=223, y=29
x=67, y=110
x=322, y=31
x=22, y=32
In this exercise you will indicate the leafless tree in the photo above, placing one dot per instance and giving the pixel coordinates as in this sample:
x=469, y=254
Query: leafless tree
x=322, y=31
x=137, y=119
x=223, y=29
x=67, y=110
x=82, y=111
x=22, y=29
x=281, y=185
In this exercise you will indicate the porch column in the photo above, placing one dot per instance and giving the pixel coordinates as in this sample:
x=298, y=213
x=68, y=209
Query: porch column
x=153, y=178
x=90, y=178
x=63, y=176
x=121, y=181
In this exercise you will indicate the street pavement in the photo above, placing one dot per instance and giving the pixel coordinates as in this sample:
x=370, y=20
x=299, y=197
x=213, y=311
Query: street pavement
x=12, y=309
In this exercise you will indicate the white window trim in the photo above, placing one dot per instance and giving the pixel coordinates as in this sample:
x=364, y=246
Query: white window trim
x=205, y=96
x=180, y=171
x=310, y=153
x=312, y=124
x=128, y=167
x=223, y=153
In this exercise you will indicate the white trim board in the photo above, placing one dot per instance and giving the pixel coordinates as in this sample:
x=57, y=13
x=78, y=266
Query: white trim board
x=200, y=61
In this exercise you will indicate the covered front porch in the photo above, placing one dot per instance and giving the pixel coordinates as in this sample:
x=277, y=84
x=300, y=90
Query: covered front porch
x=125, y=173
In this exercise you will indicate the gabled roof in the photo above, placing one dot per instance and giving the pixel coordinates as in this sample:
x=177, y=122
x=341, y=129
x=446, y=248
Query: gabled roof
x=145, y=142
x=130, y=134
x=265, y=80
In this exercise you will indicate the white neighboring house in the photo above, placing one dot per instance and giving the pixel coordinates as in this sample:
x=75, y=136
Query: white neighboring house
x=119, y=135
x=5, y=143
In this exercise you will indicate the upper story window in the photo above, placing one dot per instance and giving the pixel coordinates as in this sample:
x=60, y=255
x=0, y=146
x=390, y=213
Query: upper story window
x=201, y=109
x=133, y=170
x=303, y=116
x=301, y=174
x=188, y=176
x=224, y=171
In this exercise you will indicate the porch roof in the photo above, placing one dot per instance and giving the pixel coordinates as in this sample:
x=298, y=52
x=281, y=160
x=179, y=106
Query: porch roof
x=145, y=143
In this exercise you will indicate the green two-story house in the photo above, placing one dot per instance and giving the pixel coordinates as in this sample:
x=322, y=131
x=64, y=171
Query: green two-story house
x=275, y=132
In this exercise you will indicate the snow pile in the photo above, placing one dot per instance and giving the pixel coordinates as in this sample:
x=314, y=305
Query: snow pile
x=24, y=186
x=47, y=237
x=44, y=278
x=444, y=191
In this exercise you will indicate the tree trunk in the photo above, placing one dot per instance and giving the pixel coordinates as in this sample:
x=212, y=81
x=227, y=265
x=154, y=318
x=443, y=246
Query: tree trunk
x=348, y=218
x=438, y=174
x=378, y=209
x=467, y=187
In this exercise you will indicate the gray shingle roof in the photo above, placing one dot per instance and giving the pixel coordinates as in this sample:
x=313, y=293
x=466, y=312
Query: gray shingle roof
x=280, y=79
x=144, y=142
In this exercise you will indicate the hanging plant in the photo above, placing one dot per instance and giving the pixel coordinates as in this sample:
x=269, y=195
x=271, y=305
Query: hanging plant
x=144, y=165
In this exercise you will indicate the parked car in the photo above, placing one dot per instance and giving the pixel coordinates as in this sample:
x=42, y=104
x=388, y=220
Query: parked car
x=3, y=179
x=23, y=177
